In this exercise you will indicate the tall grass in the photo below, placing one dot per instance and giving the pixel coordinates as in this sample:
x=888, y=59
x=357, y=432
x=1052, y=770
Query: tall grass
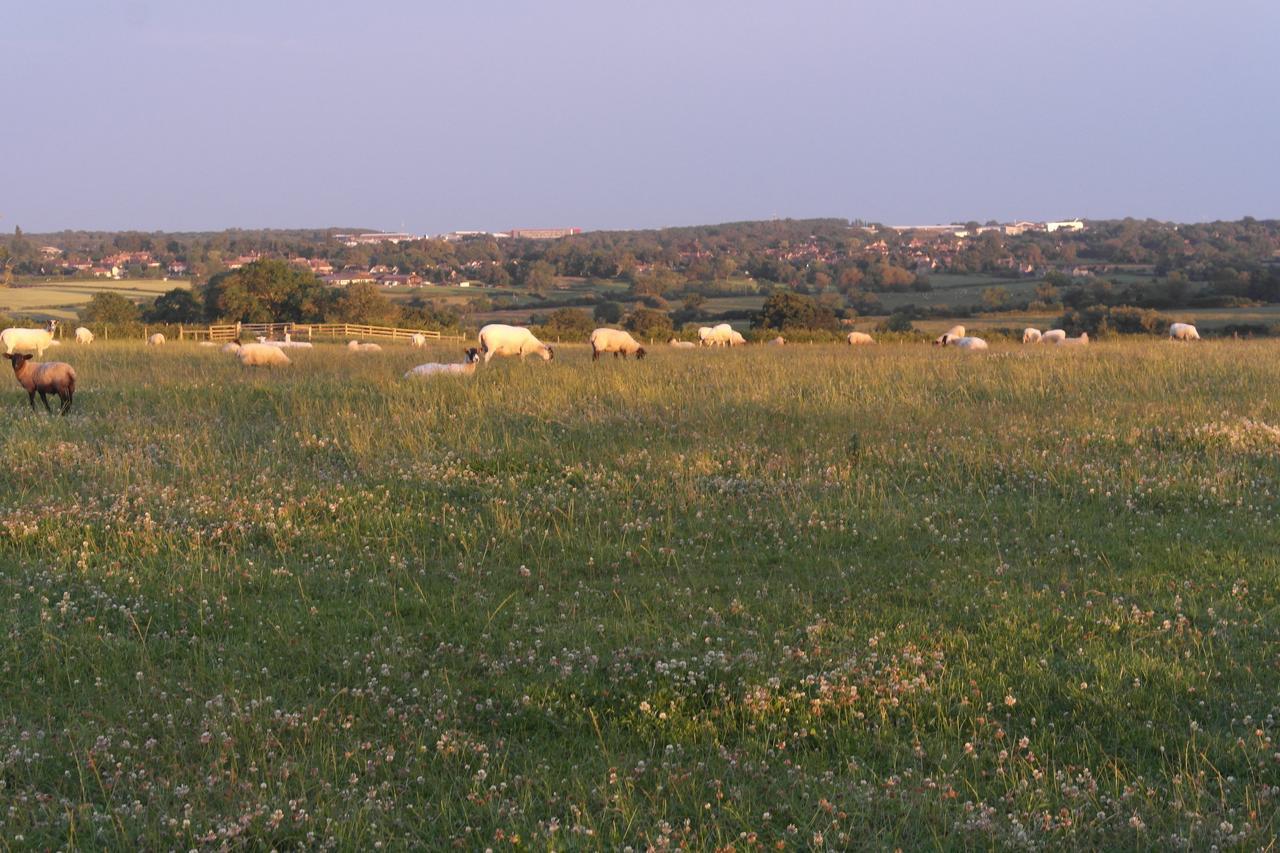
x=816, y=596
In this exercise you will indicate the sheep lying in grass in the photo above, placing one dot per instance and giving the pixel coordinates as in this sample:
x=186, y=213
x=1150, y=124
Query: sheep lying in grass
x=230, y=346
x=859, y=338
x=679, y=344
x=50, y=377
x=287, y=343
x=1031, y=336
x=1053, y=336
x=501, y=339
x=1183, y=332
x=948, y=335
x=156, y=340
x=418, y=341
x=83, y=335
x=778, y=341
x=965, y=343
x=465, y=368
x=356, y=346
x=29, y=340
x=261, y=355
x=616, y=341
x=1083, y=340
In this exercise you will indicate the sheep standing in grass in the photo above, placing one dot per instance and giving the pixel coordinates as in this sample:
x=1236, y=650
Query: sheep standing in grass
x=1083, y=340
x=418, y=341
x=500, y=339
x=1183, y=332
x=1031, y=336
x=965, y=343
x=261, y=355
x=466, y=368
x=1053, y=336
x=859, y=339
x=706, y=336
x=156, y=340
x=948, y=335
x=616, y=341
x=778, y=341
x=736, y=339
x=679, y=344
x=230, y=346
x=356, y=346
x=28, y=340
x=50, y=377
x=83, y=335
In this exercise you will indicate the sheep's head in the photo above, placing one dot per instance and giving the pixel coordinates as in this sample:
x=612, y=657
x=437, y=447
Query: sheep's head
x=547, y=353
x=472, y=355
x=639, y=353
x=18, y=359
x=51, y=326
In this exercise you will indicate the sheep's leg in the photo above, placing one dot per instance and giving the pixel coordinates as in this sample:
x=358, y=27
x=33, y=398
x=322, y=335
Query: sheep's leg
x=595, y=354
x=66, y=404
x=31, y=398
x=45, y=399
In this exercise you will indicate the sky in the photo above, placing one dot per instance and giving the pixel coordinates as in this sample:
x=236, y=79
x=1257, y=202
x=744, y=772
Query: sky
x=604, y=114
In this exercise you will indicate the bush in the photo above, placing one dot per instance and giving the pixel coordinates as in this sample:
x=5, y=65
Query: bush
x=1102, y=320
x=785, y=310
x=567, y=324
x=645, y=323
x=899, y=322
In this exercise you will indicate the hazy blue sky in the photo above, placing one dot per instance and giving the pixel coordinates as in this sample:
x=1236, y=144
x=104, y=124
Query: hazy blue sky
x=199, y=115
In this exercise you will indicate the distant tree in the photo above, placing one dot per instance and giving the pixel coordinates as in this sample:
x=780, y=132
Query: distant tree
x=108, y=307
x=174, y=306
x=568, y=323
x=265, y=292
x=607, y=312
x=539, y=277
x=995, y=298
x=648, y=324
x=899, y=321
x=363, y=302
x=785, y=310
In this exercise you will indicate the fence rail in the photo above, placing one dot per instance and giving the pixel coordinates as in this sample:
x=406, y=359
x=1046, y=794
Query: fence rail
x=303, y=331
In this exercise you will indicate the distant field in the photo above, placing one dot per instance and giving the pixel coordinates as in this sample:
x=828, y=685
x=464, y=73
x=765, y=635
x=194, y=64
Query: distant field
x=60, y=300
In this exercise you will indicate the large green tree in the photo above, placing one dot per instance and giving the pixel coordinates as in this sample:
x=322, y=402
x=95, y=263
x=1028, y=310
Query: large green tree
x=108, y=307
x=179, y=305
x=363, y=302
x=786, y=310
x=266, y=292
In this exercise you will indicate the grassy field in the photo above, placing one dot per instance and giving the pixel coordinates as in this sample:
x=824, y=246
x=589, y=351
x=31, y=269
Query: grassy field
x=61, y=300
x=800, y=597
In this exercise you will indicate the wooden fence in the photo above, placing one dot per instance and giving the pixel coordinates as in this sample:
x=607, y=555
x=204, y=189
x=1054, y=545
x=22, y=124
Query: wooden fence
x=303, y=332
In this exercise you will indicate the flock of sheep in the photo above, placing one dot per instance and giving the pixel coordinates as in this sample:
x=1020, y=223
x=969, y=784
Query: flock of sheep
x=496, y=339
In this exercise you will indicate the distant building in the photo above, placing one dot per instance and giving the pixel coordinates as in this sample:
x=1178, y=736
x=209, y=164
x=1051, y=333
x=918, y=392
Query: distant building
x=1065, y=225
x=542, y=233
x=374, y=237
x=346, y=277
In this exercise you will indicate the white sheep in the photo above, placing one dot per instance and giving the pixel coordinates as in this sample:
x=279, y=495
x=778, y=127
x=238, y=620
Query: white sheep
x=287, y=343
x=262, y=355
x=679, y=344
x=859, y=339
x=716, y=336
x=83, y=335
x=778, y=341
x=1031, y=336
x=949, y=334
x=1183, y=332
x=26, y=340
x=230, y=346
x=500, y=339
x=156, y=340
x=1053, y=336
x=736, y=339
x=465, y=368
x=965, y=343
x=1083, y=340
x=418, y=341
x=616, y=341
x=356, y=346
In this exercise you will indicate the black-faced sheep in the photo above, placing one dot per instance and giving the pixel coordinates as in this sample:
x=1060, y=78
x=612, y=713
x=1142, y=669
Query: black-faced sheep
x=50, y=377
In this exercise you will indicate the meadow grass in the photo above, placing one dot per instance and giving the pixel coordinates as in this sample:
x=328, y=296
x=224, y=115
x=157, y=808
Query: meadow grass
x=61, y=300
x=800, y=597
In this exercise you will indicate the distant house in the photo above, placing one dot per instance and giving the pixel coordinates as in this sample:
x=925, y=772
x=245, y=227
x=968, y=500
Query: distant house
x=1065, y=225
x=177, y=268
x=346, y=277
x=398, y=280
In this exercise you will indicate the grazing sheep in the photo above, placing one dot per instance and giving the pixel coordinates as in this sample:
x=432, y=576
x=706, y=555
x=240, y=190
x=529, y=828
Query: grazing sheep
x=705, y=335
x=156, y=340
x=50, y=377
x=83, y=335
x=736, y=339
x=1183, y=332
x=859, y=338
x=287, y=343
x=778, y=341
x=1083, y=340
x=466, y=368
x=1053, y=336
x=965, y=343
x=679, y=344
x=500, y=339
x=230, y=346
x=356, y=346
x=616, y=341
x=26, y=340
x=716, y=336
x=262, y=355
x=1031, y=336
x=949, y=334
x=418, y=341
